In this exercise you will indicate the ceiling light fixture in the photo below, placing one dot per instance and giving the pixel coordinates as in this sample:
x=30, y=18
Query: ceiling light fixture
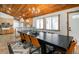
x=20, y=16
x=29, y=9
x=27, y=20
x=23, y=14
x=8, y=11
x=9, y=8
x=34, y=10
x=22, y=20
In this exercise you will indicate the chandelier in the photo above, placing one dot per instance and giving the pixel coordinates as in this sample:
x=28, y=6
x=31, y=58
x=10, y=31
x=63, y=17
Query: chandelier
x=34, y=10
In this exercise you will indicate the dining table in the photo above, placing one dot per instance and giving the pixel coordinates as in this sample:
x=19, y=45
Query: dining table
x=55, y=40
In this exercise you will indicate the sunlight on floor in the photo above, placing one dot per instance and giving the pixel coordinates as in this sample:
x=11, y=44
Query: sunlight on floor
x=3, y=42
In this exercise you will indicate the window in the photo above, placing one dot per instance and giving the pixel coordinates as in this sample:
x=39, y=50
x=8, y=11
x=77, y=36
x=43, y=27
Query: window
x=48, y=23
x=39, y=24
x=55, y=23
x=17, y=24
x=52, y=23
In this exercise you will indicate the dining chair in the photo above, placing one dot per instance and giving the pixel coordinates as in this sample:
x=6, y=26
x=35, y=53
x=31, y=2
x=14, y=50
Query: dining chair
x=16, y=47
x=27, y=38
x=22, y=37
x=27, y=42
x=35, y=45
x=72, y=46
x=70, y=49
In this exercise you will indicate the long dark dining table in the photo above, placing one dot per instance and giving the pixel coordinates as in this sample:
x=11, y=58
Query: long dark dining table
x=57, y=41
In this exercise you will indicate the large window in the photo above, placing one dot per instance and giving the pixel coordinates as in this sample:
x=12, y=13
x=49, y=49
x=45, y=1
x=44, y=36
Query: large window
x=39, y=24
x=17, y=24
x=50, y=23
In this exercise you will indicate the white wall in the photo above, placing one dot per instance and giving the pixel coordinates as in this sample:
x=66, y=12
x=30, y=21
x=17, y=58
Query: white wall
x=63, y=19
x=5, y=18
x=3, y=15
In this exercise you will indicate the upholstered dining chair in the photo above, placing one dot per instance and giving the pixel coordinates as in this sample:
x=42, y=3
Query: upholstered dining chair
x=27, y=42
x=27, y=38
x=72, y=46
x=22, y=37
x=70, y=49
x=35, y=45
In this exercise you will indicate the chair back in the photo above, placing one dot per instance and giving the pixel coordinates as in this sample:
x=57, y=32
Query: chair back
x=70, y=50
x=22, y=36
x=35, y=42
x=27, y=38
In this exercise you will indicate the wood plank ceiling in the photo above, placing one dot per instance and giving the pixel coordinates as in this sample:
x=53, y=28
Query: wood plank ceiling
x=32, y=10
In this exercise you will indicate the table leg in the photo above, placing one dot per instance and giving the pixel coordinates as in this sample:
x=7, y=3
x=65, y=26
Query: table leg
x=43, y=48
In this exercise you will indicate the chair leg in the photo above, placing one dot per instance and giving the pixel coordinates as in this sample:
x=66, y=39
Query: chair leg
x=30, y=50
x=35, y=50
x=39, y=50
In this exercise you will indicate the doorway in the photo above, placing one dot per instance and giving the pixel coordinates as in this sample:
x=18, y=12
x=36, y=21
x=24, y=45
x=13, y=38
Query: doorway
x=73, y=25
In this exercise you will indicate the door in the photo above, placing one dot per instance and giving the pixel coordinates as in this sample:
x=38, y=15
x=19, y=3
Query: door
x=74, y=25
